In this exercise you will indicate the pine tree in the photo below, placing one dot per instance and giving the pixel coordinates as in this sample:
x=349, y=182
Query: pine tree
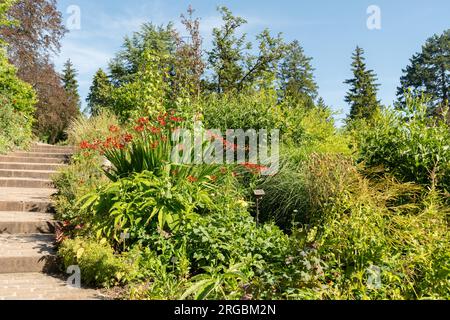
x=226, y=56
x=321, y=105
x=296, y=75
x=99, y=93
x=70, y=82
x=428, y=73
x=362, y=95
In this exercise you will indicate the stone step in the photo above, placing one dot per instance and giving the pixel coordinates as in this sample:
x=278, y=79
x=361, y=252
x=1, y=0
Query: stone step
x=26, y=199
x=11, y=158
x=25, y=183
x=40, y=286
x=63, y=156
x=30, y=166
x=51, y=149
x=12, y=222
x=27, y=253
x=33, y=174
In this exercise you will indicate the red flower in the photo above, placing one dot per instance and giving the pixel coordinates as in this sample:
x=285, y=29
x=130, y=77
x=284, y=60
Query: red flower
x=255, y=168
x=113, y=129
x=155, y=130
x=192, y=179
x=139, y=128
x=128, y=137
x=119, y=145
x=143, y=121
x=176, y=119
x=162, y=120
x=155, y=145
x=84, y=145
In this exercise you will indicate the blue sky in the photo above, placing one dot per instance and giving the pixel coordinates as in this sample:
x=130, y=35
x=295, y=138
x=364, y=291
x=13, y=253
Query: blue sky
x=328, y=30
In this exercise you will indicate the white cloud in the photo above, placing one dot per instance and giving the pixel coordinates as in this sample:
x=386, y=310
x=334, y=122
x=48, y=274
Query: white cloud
x=85, y=58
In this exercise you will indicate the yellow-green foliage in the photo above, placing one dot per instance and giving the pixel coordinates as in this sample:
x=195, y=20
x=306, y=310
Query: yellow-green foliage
x=361, y=222
x=17, y=100
x=91, y=129
x=97, y=262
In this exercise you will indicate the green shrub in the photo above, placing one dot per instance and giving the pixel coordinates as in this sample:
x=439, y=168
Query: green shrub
x=144, y=203
x=412, y=145
x=17, y=101
x=98, y=264
x=17, y=92
x=83, y=175
x=241, y=111
x=15, y=127
x=146, y=92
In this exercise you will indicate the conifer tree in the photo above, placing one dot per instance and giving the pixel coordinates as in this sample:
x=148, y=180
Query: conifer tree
x=296, y=75
x=70, y=83
x=99, y=93
x=429, y=73
x=362, y=96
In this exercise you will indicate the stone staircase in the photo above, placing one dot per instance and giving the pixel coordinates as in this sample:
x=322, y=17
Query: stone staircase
x=27, y=253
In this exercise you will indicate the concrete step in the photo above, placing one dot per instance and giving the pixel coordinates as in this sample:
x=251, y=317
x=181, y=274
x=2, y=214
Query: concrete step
x=25, y=183
x=63, y=156
x=27, y=253
x=26, y=199
x=41, y=286
x=33, y=174
x=12, y=222
x=30, y=166
x=52, y=149
x=11, y=158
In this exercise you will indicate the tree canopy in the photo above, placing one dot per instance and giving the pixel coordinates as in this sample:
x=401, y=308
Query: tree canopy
x=362, y=96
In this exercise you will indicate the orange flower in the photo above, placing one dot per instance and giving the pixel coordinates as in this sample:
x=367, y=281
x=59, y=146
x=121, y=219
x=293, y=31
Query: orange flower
x=128, y=137
x=139, y=128
x=176, y=119
x=143, y=121
x=84, y=145
x=155, y=145
x=113, y=129
x=192, y=179
x=155, y=130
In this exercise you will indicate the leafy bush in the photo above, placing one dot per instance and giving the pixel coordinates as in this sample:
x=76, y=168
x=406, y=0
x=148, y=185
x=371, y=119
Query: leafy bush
x=412, y=145
x=15, y=127
x=144, y=203
x=85, y=172
x=83, y=175
x=97, y=262
x=18, y=93
x=241, y=111
x=17, y=100
x=145, y=92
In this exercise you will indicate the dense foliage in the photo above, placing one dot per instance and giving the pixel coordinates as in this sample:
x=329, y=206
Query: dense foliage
x=17, y=98
x=34, y=38
x=354, y=213
x=427, y=74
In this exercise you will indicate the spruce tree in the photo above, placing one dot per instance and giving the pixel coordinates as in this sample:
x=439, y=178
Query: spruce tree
x=362, y=95
x=99, y=93
x=296, y=75
x=70, y=82
x=429, y=73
